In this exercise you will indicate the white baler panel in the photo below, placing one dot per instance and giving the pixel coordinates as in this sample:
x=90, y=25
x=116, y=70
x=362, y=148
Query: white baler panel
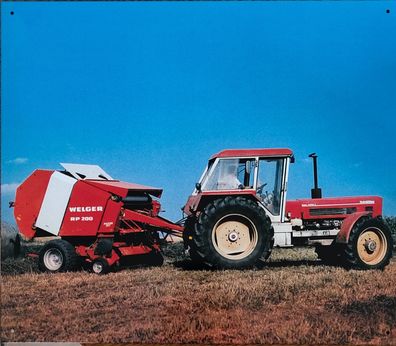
x=55, y=202
x=80, y=171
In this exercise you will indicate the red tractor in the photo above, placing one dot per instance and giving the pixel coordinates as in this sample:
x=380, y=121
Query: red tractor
x=238, y=212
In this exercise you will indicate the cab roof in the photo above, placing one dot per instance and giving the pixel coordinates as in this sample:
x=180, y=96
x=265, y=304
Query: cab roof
x=282, y=152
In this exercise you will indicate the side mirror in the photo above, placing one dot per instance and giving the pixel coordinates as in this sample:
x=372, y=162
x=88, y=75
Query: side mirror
x=198, y=187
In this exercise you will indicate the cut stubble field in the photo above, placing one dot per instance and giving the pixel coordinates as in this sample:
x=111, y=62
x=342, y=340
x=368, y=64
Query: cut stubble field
x=294, y=299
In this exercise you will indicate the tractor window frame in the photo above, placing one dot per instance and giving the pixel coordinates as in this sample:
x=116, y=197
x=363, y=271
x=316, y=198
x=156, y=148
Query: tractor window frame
x=272, y=177
x=255, y=160
x=284, y=175
x=210, y=170
x=204, y=174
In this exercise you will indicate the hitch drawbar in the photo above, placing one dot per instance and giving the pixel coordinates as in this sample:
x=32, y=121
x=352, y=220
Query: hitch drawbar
x=96, y=217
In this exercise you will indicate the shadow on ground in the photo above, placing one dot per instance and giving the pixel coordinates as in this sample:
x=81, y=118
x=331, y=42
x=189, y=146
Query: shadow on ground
x=187, y=264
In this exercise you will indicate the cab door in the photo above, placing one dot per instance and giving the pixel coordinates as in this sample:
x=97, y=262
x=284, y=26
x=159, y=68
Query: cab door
x=271, y=184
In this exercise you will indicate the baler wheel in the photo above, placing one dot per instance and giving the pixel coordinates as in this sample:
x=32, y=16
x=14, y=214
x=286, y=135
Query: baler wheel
x=57, y=256
x=370, y=244
x=100, y=266
x=232, y=232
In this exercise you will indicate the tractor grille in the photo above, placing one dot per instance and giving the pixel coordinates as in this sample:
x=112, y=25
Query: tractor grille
x=331, y=211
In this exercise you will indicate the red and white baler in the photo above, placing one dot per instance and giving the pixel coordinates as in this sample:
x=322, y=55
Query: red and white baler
x=97, y=219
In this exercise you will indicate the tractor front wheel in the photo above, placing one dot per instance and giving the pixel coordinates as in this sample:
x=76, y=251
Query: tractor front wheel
x=370, y=244
x=57, y=256
x=233, y=232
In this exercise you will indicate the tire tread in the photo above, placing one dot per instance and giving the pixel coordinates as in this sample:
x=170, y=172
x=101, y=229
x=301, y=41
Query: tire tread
x=200, y=247
x=68, y=251
x=350, y=253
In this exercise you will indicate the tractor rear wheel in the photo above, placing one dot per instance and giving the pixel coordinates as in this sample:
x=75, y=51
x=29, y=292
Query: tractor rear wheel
x=58, y=256
x=189, y=231
x=370, y=244
x=232, y=232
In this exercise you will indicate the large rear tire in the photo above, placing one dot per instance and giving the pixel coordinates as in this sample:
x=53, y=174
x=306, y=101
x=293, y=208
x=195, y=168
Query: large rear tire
x=232, y=233
x=189, y=232
x=58, y=256
x=370, y=244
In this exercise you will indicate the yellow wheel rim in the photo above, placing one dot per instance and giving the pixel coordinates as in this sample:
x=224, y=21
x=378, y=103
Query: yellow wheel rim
x=234, y=236
x=372, y=246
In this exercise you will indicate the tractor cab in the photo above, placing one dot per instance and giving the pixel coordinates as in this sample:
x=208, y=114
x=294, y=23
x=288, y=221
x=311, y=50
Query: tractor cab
x=260, y=173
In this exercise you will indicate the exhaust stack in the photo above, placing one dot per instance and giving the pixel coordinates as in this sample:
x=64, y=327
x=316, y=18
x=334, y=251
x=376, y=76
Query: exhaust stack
x=316, y=192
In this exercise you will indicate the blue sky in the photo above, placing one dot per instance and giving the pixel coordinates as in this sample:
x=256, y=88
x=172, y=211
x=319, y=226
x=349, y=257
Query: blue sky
x=150, y=90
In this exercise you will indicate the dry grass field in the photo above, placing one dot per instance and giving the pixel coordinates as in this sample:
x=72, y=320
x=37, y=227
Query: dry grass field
x=294, y=300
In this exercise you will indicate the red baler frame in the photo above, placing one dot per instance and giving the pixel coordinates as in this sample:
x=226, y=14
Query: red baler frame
x=95, y=210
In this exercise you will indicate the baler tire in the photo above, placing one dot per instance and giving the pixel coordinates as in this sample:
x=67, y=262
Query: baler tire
x=358, y=255
x=104, y=246
x=100, y=266
x=66, y=253
x=236, y=212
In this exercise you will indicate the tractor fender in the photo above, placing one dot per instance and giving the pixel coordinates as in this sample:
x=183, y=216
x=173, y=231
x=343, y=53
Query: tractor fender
x=347, y=225
x=197, y=202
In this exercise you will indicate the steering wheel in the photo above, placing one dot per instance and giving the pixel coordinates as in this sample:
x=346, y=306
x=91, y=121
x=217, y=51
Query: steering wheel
x=260, y=188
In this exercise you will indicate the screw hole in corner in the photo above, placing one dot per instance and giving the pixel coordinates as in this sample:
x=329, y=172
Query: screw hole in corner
x=12, y=13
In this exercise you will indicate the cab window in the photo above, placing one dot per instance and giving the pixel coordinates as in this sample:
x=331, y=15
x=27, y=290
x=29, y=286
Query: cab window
x=269, y=183
x=230, y=174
